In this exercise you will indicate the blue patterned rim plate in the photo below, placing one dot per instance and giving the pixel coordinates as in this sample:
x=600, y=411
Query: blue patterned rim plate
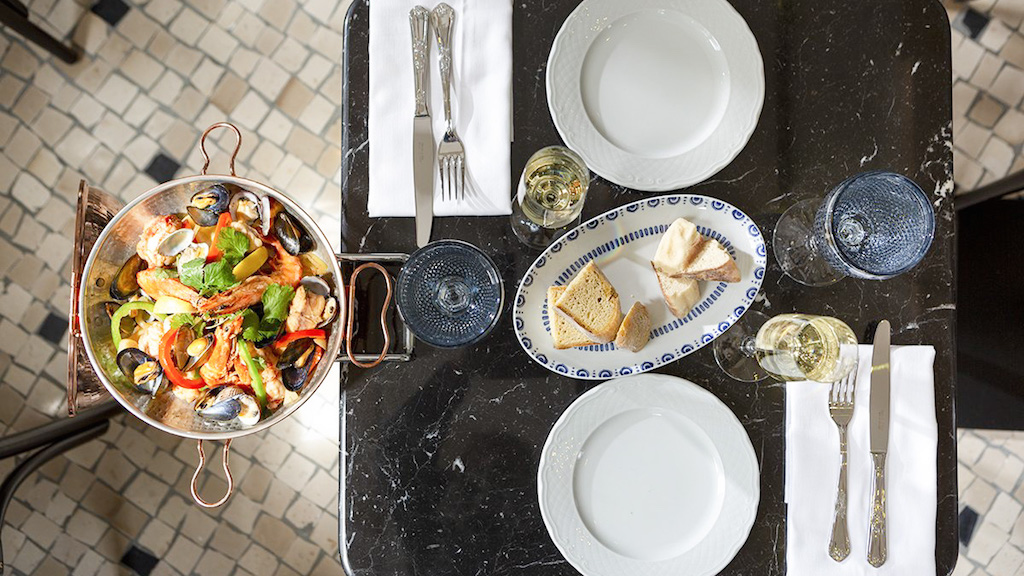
x=622, y=242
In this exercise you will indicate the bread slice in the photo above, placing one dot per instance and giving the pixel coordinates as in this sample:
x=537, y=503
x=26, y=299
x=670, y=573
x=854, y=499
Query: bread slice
x=712, y=262
x=681, y=294
x=563, y=334
x=591, y=305
x=678, y=247
x=635, y=330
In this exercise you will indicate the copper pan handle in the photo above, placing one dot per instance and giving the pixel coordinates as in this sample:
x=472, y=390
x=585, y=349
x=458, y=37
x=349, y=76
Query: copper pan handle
x=202, y=145
x=349, y=328
x=227, y=472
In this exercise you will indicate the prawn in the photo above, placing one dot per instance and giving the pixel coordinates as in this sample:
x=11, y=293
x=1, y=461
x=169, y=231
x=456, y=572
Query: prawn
x=216, y=369
x=284, y=269
x=158, y=285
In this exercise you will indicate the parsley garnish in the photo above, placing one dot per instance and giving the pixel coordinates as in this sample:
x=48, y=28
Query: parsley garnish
x=233, y=245
x=210, y=278
x=276, y=299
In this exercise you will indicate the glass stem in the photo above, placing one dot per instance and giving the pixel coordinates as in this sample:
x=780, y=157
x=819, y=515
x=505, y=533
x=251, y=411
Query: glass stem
x=747, y=347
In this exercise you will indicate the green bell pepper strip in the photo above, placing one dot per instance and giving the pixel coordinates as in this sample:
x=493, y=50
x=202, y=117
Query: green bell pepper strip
x=254, y=374
x=124, y=310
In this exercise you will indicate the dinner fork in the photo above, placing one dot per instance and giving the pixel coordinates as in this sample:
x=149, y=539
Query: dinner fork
x=451, y=155
x=840, y=407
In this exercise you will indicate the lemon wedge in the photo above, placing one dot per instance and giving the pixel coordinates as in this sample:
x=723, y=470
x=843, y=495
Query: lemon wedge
x=250, y=264
x=172, y=305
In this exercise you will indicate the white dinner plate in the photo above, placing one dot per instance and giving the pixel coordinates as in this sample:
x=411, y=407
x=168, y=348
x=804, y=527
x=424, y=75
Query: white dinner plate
x=623, y=242
x=655, y=94
x=648, y=475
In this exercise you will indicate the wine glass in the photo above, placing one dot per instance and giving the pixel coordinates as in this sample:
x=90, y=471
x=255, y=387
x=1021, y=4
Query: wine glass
x=874, y=225
x=550, y=196
x=787, y=347
x=449, y=293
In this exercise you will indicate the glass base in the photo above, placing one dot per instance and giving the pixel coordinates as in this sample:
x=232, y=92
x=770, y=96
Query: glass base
x=794, y=245
x=734, y=350
x=534, y=235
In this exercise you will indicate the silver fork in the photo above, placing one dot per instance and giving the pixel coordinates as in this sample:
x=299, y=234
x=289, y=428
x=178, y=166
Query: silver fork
x=840, y=407
x=451, y=156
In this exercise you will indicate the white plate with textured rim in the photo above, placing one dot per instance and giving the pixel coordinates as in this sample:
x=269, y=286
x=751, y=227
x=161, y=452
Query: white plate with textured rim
x=623, y=242
x=648, y=475
x=655, y=94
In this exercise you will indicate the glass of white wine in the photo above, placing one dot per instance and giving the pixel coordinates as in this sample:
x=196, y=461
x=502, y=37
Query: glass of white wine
x=787, y=347
x=550, y=196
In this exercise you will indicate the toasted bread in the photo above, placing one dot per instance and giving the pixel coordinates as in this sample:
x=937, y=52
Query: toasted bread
x=635, y=330
x=591, y=305
x=681, y=294
x=562, y=333
x=712, y=262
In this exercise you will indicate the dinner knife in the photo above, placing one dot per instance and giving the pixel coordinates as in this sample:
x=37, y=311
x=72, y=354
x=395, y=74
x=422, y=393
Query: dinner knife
x=422, y=136
x=879, y=442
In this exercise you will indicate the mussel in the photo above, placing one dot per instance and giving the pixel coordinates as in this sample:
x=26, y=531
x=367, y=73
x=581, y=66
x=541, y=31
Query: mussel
x=292, y=235
x=142, y=369
x=297, y=362
x=227, y=403
x=124, y=283
x=207, y=205
x=176, y=242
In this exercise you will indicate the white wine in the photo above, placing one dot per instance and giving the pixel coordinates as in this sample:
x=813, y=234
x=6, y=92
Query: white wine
x=806, y=347
x=553, y=187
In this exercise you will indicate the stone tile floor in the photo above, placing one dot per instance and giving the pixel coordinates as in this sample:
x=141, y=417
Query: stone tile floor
x=157, y=72
x=154, y=75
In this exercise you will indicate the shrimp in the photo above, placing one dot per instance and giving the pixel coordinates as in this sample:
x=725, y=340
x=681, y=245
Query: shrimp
x=284, y=269
x=158, y=229
x=217, y=368
x=271, y=377
x=156, y=285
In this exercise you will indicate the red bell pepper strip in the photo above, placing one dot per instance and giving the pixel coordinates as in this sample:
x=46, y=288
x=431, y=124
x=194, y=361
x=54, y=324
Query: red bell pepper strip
x=215, y=253
x=291, y=336
x=167, y=361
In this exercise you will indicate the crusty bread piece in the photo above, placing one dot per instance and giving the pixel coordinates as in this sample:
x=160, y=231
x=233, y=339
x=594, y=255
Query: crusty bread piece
x=635, y=330
x=681, y=294
x=678, y=247
x=591, y=305
x=563, y=334
x=712, y=262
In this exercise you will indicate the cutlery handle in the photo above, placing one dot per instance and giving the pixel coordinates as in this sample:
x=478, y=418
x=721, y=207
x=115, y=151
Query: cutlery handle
x=839, y=545
x=877, y=533
x=443, y=19
x=419, y=22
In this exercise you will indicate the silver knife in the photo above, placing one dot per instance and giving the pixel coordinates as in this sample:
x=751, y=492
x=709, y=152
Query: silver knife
x=879, y=442
x=422, y=136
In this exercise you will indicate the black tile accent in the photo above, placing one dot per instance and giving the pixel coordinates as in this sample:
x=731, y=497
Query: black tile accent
x=53, y=328
x=975, y=22
x=162, y=168
x=110, y=10
x=139, y=560
x=968, y=520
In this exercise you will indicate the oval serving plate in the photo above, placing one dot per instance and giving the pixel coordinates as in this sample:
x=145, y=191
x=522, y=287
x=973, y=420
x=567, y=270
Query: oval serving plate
x=623, y=242
x=648, y=475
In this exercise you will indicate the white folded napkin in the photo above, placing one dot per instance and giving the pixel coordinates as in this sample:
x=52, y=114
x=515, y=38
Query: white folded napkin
x=481, y=106
x=812, y=471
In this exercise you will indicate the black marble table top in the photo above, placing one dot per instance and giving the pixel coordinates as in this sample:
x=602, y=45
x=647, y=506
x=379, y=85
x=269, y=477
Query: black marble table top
x=440, y=454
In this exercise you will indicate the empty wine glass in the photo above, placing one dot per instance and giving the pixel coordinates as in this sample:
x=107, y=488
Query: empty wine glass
x=449, y=293
x=874, y=225
x=787, y=347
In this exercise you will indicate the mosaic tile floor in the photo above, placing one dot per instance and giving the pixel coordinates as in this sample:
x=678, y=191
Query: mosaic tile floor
x=154, y=75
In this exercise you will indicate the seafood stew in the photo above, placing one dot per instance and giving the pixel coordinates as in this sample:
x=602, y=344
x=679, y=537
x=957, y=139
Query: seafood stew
x=224, y=305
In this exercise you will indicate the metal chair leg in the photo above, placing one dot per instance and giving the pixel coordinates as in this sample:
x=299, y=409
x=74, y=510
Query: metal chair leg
x=18, y=20
x=23, y=470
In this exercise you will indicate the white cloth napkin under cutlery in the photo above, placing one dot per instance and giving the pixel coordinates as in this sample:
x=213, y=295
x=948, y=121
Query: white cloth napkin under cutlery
x=481, y=106
x=812, y=471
